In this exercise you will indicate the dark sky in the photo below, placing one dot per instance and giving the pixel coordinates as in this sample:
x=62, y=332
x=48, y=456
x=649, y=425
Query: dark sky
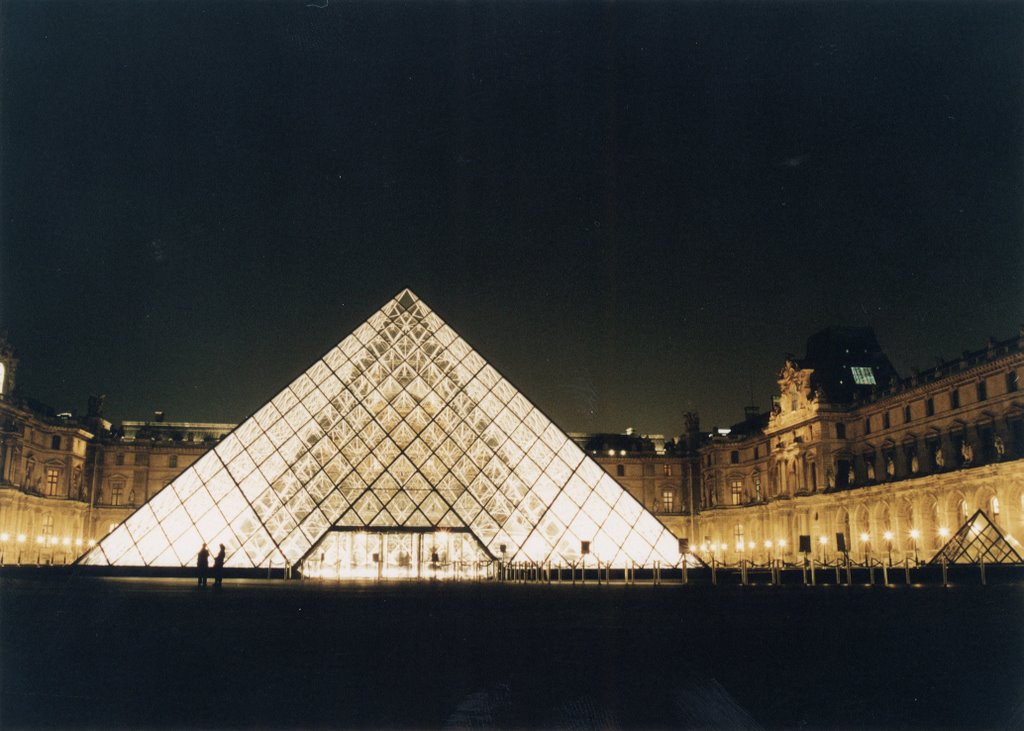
x=630, y=209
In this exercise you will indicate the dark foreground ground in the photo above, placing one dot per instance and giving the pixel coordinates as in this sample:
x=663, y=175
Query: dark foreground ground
x=158, y=653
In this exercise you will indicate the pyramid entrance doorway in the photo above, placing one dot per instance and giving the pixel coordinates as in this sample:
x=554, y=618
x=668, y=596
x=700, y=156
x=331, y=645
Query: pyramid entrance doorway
x=395, y=555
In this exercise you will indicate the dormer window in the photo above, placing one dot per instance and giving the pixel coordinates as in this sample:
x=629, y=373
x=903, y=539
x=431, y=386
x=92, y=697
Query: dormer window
x=863, y=375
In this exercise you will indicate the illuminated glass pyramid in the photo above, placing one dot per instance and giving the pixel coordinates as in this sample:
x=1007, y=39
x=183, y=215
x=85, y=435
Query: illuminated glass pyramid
x=400, y=427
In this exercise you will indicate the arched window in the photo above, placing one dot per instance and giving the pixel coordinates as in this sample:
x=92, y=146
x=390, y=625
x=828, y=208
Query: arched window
x=737, y=535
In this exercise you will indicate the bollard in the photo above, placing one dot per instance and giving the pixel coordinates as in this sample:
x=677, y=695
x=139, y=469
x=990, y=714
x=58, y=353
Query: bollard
x=813, y=582
x=743, y=572
x=804, y=569
x=906, y=570
x=714, y=572
x=981, y=565
x=849, y=574
x=871, y=576
x=885, y=575
x=685, y=578
x=837, y=572
x=945, y=576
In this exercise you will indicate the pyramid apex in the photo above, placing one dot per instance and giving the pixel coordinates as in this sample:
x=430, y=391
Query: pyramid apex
x=406, y=298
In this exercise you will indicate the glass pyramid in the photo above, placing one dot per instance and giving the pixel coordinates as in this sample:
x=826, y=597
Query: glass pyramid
x=978, y=540
x=401, y=426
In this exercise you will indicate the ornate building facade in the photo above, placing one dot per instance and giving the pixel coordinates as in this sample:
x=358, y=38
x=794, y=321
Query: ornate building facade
x=892, y=465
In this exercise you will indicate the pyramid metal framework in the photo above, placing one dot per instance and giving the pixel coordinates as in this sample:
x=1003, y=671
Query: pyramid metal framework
x=401, y=426
x=978, y=540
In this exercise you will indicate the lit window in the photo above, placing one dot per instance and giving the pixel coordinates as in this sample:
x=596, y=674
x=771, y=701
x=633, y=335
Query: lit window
x=52, y=480
x=863, y=376
x=668, y=470
x=667, y=500
x=995, y=505
x=737, y=535
x=737, y=491
x=47, y=525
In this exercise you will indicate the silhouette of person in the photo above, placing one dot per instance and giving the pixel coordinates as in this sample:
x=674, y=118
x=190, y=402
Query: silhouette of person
x=218, y=567
x=202, y=565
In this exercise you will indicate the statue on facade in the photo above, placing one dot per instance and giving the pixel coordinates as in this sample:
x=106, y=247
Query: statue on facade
x=940, y=460
x=890, y=467
x=851, y=476
x=915, y=465
x=830, y=478
x=871, y=471
x=1000, y=447
x=76, y=483
x=967, y=452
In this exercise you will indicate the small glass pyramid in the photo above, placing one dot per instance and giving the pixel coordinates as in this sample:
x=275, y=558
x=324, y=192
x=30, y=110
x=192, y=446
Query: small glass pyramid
x=977, y=541
x=402, y=427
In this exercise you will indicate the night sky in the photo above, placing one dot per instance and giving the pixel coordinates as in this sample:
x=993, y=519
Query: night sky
x=631, y=210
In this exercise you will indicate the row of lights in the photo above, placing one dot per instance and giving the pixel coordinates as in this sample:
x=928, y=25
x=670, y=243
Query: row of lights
x=915, y=534
x=42, y=540
x=705, y=547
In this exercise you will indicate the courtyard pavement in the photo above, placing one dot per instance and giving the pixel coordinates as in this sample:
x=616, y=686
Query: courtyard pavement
x=89, y=652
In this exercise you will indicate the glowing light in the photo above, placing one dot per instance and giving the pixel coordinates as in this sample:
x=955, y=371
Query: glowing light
x=944, y=532
x=40, y=540
x=4, y=537
x=611, y=452
x=864, y=537
x=78, y=541
x=782, y=543
x=92, y=543
x=915, y=533
x=822, y=540
x=66, y=541
x=378, y=430
x=767, y=544
x=887, y=535
x=739, y=545
x=21, y=538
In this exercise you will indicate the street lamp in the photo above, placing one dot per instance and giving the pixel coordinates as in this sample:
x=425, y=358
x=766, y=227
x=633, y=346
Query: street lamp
x=865, y=539
x=888, y=542
x=822, y=541
x=943, y=533
x=914, y=535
